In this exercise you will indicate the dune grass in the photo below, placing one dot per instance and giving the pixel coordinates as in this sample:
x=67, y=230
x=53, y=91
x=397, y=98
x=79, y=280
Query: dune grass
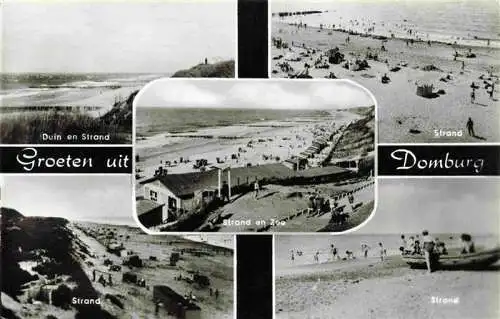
x=29, y=127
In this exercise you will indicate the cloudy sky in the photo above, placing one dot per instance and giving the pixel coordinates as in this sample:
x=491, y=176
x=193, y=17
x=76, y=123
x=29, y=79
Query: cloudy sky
x=116, y=36
x=95, y=198
x=438, y=205
x=277, y=94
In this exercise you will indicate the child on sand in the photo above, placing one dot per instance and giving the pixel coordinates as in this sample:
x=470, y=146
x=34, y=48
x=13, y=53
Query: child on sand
x=429, y=245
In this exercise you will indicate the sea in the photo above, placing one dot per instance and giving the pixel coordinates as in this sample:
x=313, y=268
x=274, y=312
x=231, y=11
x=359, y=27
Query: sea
x=152, y=121
x=63, y=89
x=469, y=22
x=309, y=245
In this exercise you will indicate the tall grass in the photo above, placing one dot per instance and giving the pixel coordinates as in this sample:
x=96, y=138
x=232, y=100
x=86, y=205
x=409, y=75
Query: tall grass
x=28, y=127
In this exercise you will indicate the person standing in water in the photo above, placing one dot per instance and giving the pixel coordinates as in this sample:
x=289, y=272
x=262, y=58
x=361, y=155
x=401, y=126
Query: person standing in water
x=428, y=245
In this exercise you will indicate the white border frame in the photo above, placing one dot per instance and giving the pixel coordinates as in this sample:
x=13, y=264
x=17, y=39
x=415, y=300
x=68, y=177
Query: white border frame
x=194, y=80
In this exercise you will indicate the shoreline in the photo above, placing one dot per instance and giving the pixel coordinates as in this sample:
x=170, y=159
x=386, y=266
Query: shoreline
x=268, y=138
x=466, y=43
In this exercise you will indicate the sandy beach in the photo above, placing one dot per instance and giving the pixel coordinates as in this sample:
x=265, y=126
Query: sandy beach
x=389, y=289
x=403, y=116
x=274, y=139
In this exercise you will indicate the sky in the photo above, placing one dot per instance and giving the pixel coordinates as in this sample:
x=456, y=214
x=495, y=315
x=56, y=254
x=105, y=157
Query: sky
x=273, y=94
x=116, y=36
x=94, y=198
x=453, y=205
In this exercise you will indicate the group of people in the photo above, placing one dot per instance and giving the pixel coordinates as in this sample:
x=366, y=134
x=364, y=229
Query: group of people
x=432, y=247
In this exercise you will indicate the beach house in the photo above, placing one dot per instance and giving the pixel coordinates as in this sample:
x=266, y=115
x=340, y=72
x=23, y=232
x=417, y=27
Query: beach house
x=169, y=196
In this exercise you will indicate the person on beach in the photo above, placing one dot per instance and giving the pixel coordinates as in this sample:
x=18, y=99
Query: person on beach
x=463, y=65
x=441, y=248
x=470, y=127
x=256, y=188
x=403, y=244
x=364, y=249
x=467, y=244
x=491, y=88
x=316, y=257
x=429, y=245
x=410, y=244
x=292, y=256
x=473, y=96
x=333, y=251
x=416, y=247
x=349, y=255
x=382, y=251
x=206, y=61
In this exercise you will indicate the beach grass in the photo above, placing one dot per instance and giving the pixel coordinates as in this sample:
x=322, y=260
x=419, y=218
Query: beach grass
x=29, y=128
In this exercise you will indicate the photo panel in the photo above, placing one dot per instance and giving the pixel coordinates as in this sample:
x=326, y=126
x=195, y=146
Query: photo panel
x=433, y=66
x=254, y=156
x=71, y=69
x=73, y=250
x=381, y=270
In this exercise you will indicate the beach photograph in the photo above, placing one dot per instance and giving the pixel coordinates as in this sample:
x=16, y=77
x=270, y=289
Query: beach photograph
x=254, y=155
x=71, y=69
x=431, y=250
x=74, y=251
x=433, y=66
